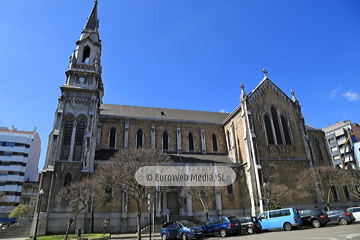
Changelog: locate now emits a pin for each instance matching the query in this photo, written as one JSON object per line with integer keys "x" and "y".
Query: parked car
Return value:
{"x": 314, "y": 217}
{"x": 250, "y": 225}
{"x": 286, "y": 218}
{"x": 180, "y": 230}
{"x": 340, "y": 216}
{"x": 223, "y": 226}
{"x": 355, "y": 211}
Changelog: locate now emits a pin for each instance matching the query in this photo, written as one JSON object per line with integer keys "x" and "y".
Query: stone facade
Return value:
{"x": 264, "y": 139}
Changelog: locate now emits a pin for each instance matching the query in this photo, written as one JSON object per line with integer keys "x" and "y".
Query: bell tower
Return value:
{"x": 73, "y": 138}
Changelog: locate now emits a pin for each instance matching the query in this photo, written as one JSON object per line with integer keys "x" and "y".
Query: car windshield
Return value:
{"x": 188, "y": 224}
{"x": 233, "y": 219}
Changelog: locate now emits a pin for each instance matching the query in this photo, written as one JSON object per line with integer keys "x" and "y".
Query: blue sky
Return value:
{"x": 183, "y": 54}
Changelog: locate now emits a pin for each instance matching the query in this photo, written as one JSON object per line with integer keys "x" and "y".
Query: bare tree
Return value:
{"x": 117, "y": 177}
{"x": 79, "y": 196}
{"x": 320, "y": 180}
{"x": 352, "y": 178}
{"x": 202, "y": 196}
{"x": 23, "y": 211}
{"x": 274, "y": 194}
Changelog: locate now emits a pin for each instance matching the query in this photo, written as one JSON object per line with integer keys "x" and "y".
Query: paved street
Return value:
{"x": 330, "y": 232}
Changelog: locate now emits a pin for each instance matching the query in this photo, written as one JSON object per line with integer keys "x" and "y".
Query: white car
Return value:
{"x": 355, "y": 211}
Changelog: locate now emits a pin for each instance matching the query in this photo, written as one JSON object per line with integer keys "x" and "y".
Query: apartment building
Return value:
{"x": 19, "y": 159}
{"x": 341, "y": 144}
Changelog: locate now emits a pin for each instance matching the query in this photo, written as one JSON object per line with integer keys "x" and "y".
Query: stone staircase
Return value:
{"x": 160, "y": 221}
{"x": 19, "y": 230}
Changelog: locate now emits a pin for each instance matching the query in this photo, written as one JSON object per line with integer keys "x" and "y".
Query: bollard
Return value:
{"x": 78, "y": 232}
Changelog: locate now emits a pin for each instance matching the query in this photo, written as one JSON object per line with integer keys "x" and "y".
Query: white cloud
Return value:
{"x": 333, "y": 93}
{"x": 351, "y": 96}
{"x": 222, "y": 110}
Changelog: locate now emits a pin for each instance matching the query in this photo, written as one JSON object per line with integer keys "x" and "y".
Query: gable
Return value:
{"x": 264, "y": 85}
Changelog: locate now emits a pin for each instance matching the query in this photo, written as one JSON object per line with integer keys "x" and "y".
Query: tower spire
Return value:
{"x": 92, "y": 22}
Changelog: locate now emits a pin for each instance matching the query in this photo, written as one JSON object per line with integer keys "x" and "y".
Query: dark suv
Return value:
{"x": 314, "y": 217}
{"x": 223, "y": 226}
{"x": 250, "y": 225}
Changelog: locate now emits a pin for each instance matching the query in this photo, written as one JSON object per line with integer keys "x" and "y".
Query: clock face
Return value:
{"x": 81, "y": 79}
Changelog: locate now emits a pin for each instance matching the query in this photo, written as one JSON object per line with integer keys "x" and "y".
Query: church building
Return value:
{"x": 265, "y": 139}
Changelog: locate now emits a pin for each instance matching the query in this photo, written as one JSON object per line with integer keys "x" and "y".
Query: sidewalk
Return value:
{"x": 144, "y": 236}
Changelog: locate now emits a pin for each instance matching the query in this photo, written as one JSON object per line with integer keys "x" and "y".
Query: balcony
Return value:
{"x": 348, "y": 150}
{"x": 16, "y": 168}
{"x": 341, "y": 141}
{"x": 29, "y": 194}
{"x": 18, "y": 159}
{"x": 12, "y": 178}
{"x": 20, "y": 149}
{"x": 339, "y": 132}
{"x": 12, "y": 198}
{"x": 10, "y": 188}
{"x": 349, "y": 159}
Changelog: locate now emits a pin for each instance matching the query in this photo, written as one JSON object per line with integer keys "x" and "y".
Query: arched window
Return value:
{"x": 318, "y": 149}
{"x": 86, "y": 54}
{"x": 230, "y": 186}
{"x": 139, "y": 138}
{"x": 268, "y": 129}
{"x": 67, "y": 179}
{"x": 112, "y": 137}
{"x": 228, "y": 138}
{"x": 276, "y": 126}
{"x": 191, "y": 142}
{"x": 214, "y": 142}
{"x": 285, "y": 130}
{"x": 80, "y": 131}
{"x": 165, "y": 140}
{"x": 68, "y": 131}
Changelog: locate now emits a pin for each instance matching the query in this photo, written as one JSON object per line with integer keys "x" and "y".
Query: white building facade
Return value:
{"x": 340, "y": 144}
{"x": 19, "y": 159}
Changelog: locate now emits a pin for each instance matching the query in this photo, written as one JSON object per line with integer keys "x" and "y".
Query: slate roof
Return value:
{"x": 125, "y": 111}
{"x": 105, "y": 154}
{"x": 308, "y": 127}
{"x": 200, "y": 158}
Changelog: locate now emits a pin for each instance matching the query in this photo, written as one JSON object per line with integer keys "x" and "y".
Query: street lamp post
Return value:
{"x": 38, "y": 212}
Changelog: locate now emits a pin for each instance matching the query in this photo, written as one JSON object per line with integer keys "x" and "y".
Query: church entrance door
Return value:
{"x": 173, "y": 203}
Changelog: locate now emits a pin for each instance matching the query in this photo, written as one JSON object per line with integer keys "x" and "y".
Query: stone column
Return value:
{"x": 158, "y": 203}
{"x": 164, "y": 204}
{"x": 126, "y": 135}
{"x": 218, "y": 201}
{"x": 203, "y": 142}
{"x": 72, "y": 143}
{"x": 124, "y": 206}
{"x": 152, "y": 137}
{"x": 189, "y": 204}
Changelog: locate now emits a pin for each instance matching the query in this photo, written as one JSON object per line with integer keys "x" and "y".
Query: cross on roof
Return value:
{"x": 265, "y": 72}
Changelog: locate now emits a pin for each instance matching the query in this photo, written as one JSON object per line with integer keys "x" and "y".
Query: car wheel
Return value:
{"x": 287, "y": 226}
{"x": 250, "y": 230}
{"x": 183, "y": 236}
{"x": 163, "y": 237}
{"x": 223, "y": 232}
{"x": 315, "y": 223}
{"x": 343, "y": 221}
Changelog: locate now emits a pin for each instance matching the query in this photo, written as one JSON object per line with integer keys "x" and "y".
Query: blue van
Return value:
{"x": 286, "y": 218}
